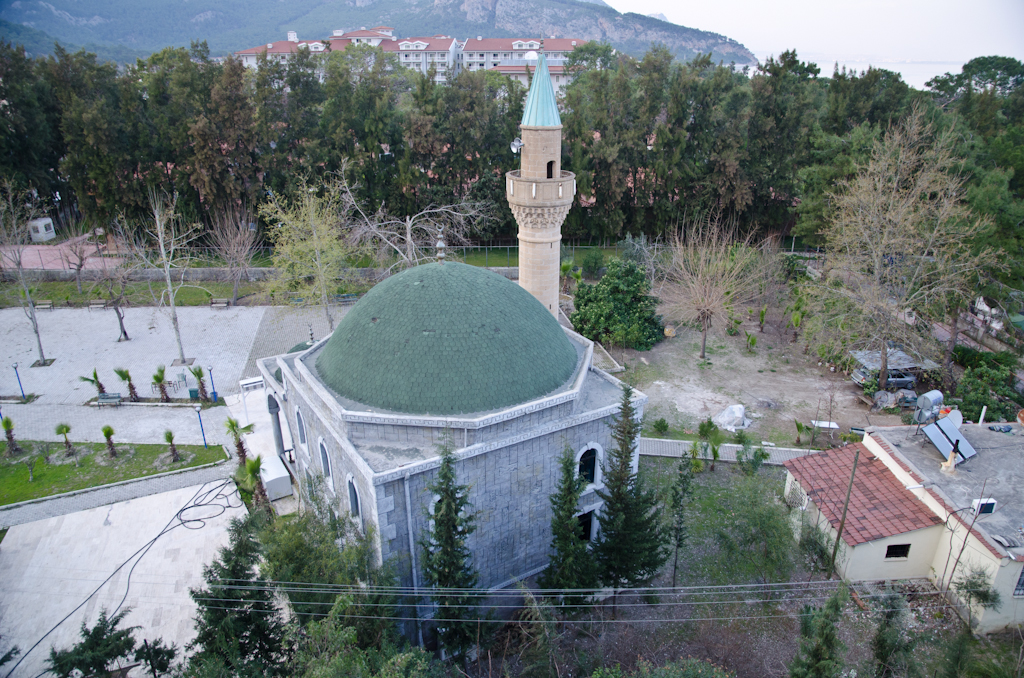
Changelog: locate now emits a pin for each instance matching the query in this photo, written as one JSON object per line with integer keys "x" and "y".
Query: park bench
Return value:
{"x": 108, "y": 399}
{"x": 44, "y": 303}
{"x": 97, "y": 304}
{"x": 220, "y": 303}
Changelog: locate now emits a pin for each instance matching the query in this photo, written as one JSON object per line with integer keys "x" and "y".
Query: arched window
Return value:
{"x": 551, "y": 169}
{"x": 301, "y": 425}
{"x": 353, "y": 499}
{"x": 588, "y": 465}
{"x": 325, "y": 462}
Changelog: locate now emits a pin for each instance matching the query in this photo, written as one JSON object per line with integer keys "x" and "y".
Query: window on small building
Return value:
{"x": 353, "y": 499}
{"x": 588, "y": 465}
{"x": 586, "y": 521}
{"x": 1019, "y": 589}
{"x": 897, "y": 551}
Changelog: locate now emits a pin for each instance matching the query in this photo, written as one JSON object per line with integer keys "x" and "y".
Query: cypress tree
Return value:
{"x": 821, "y": 655}
{"x": 237, "y": 622}
{"x": 893, "y": 645}
{"x": 446, "y": 559}
{"x": 631, "y": 545}
{"x": 680, "y": 495}
{"x": 572, "y": 564}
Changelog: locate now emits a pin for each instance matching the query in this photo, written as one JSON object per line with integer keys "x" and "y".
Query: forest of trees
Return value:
{"x": 655, "y": 144}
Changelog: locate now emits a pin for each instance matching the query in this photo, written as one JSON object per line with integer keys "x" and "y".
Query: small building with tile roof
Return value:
{"x": 282, "y": 50}
{"x": 910, "y": 518}
{"x": 447, "y": 351}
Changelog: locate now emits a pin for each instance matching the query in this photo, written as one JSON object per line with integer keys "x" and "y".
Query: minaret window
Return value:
{"x": 551, "y": 169}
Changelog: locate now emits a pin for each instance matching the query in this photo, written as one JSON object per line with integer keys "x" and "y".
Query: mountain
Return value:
{"x": 231, "y": 25}
{"x": 38, "y": 43}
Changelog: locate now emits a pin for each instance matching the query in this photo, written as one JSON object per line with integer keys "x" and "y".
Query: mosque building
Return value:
{"x": 449, "y": 350}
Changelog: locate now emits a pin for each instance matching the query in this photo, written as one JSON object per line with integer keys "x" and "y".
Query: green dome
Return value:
{"x": 446, "y": 339}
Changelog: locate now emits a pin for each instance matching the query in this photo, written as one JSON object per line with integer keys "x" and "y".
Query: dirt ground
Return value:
{"x": 777, "y": 383}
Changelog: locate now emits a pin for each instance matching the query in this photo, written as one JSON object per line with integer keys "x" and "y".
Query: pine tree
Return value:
{"x": 821, "y": 655}
{"x": 631, "y": 545}
{"x": 446, "y": 559}
{"x": 237, "y": 622}
{"x": 893, "y": 645}
{"x": 679, "y": 530}
{"x": 572, "y": 564}
{"x": 102, "y": 645}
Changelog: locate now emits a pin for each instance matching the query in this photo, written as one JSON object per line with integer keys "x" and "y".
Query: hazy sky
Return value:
{"x": 855, "y": 30}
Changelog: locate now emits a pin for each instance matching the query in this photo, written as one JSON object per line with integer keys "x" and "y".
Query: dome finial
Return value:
{"x": 440, "y": 244}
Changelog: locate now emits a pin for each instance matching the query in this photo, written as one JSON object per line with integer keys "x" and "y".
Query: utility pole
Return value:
{"x": 842, "y": 521}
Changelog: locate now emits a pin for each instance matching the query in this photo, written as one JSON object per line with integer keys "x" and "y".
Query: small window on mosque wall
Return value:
{"x": 588, "y": 465}
{"x": 586, "y": 522}
{"x": 302, "y": 428}
{"x": 551, "y": 169}
{"x": 894, "y": 551}
{"x": 353, "y": 499}
{"x": 325, "y": 462}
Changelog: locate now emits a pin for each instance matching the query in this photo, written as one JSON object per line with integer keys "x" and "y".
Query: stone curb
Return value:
{"x": 131, "y": 404}
{"x": 86, "y": 490}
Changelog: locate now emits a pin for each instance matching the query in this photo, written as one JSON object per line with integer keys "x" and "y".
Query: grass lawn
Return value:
{"x": 65, "y": 293}
{"x": 90, "y": 466}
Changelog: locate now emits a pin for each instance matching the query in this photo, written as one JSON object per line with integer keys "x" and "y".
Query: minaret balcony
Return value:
{"x": 529, "y": 192}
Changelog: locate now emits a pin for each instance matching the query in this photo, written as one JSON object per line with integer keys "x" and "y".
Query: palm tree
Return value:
{"x": 248, "y": 478}
{"x": 169, "y": 438}
{"x": 95, "y": 381}
{"x": 12, "y": 444}
{"x": 197, "y": 372}
{"x": 64, "y": 430}
{"x": 237, "y": 432}
{"x": 108, "y": 433}
{"x": 158, "y": 380}
{"x": 126, "y": 377}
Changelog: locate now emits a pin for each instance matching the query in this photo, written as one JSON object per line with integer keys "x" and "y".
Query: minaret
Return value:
{"x": 540, "y": 193}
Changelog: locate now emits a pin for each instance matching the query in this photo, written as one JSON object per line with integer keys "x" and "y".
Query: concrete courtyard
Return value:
{"x": 51, "y": 567}
{"x": 152, "y": 549}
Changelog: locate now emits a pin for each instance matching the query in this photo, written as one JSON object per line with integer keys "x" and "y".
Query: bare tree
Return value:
{"x": 115, "y": 284}
{"x": 235, "y": 239}
{"x": 77, "y": 249}
{"x": 403, "y": 242}
{"x": 165, "y": 246}
{"x": 712, "y": 275}
{"x": 901, "y": 247}
{"x": 312, "y": 252}
{"x": 17, "y": 209}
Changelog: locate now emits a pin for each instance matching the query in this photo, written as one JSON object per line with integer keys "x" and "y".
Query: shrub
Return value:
{"x": 661, "y": 426}
{"x": 593, "y": 260}
{"x": 966, "y": 357}
{"x": 983, "y": 386}
{"x": 618, "y": 309}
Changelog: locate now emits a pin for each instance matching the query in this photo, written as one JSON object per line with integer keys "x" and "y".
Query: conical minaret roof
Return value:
{"x": 541, "y": 109}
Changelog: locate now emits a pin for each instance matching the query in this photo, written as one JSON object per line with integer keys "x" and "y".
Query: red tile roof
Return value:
{"x": 365, "y": 34}
{"x": 434, "y": 43}
{"x": 880, "y": 506}
{"x": 279, "y": 47}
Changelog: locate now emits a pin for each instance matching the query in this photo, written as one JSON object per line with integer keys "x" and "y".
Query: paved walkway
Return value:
{"x": 657, "y": 447}
{"x": 132, "y": 489}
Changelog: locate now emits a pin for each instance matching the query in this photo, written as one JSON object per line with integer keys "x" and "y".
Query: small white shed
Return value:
{"x": 276, "y": 479}
{"x": 42, "y": 229}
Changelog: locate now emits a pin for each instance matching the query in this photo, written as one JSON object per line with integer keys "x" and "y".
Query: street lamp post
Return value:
{"x": 199, "y": 413}
{"x": 213, "y": 386}
{"x": 15, "y": 366}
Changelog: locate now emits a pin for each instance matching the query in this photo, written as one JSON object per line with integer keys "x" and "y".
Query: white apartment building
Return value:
{"x": 439, "y": 51}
